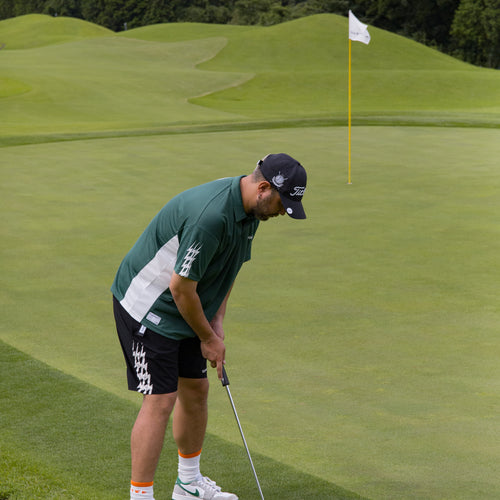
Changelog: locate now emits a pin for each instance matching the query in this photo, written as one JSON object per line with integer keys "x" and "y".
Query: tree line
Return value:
{"x": 466, "y": 29}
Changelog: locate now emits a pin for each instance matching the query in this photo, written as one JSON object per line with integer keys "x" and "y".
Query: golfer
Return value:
{"x": 170, "y": 295}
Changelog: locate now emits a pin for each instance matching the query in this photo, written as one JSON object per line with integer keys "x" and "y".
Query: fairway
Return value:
{"x": 362, "y": 343}
{"x": 172, "y": 78}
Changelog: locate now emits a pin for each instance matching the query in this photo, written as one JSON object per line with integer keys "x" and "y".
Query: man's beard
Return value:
{"x": 261, "y": 210}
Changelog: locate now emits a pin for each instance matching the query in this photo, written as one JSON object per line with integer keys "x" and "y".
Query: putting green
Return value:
{"x": 361, "y": 342}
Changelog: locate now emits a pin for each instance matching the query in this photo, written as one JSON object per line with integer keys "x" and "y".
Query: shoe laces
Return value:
{"x": 211, "y": 484}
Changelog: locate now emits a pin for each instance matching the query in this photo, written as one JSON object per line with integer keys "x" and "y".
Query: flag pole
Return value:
{"x": 349, "y": 119}
{"x": 358, "y": 32}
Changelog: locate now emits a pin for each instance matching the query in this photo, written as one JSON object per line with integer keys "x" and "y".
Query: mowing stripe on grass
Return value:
{"x": 64, "y": 439}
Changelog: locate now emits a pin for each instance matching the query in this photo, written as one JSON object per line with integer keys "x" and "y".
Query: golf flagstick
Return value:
{"x": 225, "y": 383}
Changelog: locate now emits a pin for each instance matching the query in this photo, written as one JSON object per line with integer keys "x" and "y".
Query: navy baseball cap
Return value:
{"x": 289, "y": 178}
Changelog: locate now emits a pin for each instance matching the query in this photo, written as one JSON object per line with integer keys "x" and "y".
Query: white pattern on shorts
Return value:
{"x": 141, "y": 369}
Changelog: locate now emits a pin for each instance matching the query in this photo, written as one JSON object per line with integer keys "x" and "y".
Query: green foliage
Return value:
{"x": 476, "y": 32}
{"x": 427, "y": 21}
{"x": 68, "y": 8}
{"x": 205, "y": 11}
{"x": 6, "y": 9}
{"x": 250, "y": 11}
{"x": 311, "y": 7}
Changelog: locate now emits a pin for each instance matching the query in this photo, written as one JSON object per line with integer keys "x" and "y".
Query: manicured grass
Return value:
{"x": 390, "y": 75}
{"x": 362, "y": 342}
{"x": 36, "y": 30}
{"x": 107, "y": 84}
{"x": 72, "y": 443}
{"x": 177, "y": 75}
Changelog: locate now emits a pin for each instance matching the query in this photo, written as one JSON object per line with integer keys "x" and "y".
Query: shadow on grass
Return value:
{"x": 64, "y": 439}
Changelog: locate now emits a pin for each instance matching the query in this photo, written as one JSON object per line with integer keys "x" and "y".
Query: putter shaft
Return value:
{"x": 225, "y": 383}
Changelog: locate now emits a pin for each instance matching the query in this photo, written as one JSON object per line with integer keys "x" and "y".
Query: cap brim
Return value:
{"x": 293, "y": 208}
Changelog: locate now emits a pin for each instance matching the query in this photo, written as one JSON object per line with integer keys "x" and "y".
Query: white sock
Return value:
{"x": 189, "y": 467}
{"x": 141, "y": 491}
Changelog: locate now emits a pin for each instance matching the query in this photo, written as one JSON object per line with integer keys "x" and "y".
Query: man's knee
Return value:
{"x": 194, "y": 391}
{"x": 160, "y": 405}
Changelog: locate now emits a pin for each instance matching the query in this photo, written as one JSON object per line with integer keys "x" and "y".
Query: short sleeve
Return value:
{"x": 196, "y": 249}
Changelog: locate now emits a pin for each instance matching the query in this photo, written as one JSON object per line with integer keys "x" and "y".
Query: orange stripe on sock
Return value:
{"x": 191, "y": 455}
{"x": 141, "y": 485}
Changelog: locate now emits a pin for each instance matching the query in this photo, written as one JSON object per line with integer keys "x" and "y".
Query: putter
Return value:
{"x": 225, "y": 383}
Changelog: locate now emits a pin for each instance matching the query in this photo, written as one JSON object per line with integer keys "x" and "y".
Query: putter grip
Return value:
{"x": 224, "y": 380}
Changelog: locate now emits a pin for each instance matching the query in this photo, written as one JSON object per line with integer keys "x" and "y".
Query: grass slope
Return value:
{"x": 107, "y": 83}
{"x": 182, "y": 32}
{"x": 37, "y": 30}
{"x": 72, "y": 443}
{"x": 305, "y": 62}
{"x": 149, "y": 78}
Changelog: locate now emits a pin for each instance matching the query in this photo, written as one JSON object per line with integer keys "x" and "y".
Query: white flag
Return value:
{"x": 357, "y": 30}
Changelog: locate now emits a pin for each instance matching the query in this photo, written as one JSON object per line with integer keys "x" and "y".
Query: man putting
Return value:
{"x": 170, "y": 295}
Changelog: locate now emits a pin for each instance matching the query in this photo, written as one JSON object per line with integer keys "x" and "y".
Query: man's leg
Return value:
{"x": 190, "y": 415}
{"x": 148, "y": 434}
{"x": 189, "y": 426}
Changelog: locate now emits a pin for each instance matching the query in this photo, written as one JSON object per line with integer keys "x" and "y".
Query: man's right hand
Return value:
{"x": 214, "y": 350}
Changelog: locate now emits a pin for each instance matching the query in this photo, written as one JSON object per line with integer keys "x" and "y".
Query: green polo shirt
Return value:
{"x": 202, "y": 234}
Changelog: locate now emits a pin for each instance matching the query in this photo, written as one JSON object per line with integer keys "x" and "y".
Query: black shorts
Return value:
{"x": 155, "y": 362}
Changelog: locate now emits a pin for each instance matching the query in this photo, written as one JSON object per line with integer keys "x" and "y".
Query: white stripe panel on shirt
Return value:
{"x": 151, "y": 281}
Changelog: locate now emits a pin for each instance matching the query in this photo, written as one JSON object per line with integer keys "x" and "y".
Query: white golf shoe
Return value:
{"x": 202, "y": 488}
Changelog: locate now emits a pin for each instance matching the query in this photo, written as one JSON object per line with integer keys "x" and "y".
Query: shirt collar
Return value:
{"x": 239, "y": 212}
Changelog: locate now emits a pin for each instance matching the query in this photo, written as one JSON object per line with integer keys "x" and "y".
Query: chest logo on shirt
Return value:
{"x": 189, "y": 258}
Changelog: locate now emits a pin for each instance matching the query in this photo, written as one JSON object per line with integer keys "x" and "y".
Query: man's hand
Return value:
{"x": 214, "y": 350}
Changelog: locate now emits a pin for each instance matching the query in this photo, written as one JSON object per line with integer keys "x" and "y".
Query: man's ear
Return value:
{"x": 263, "y": 186}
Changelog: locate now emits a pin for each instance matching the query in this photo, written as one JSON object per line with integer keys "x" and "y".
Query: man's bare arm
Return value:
{"x": 188, "y": 302}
